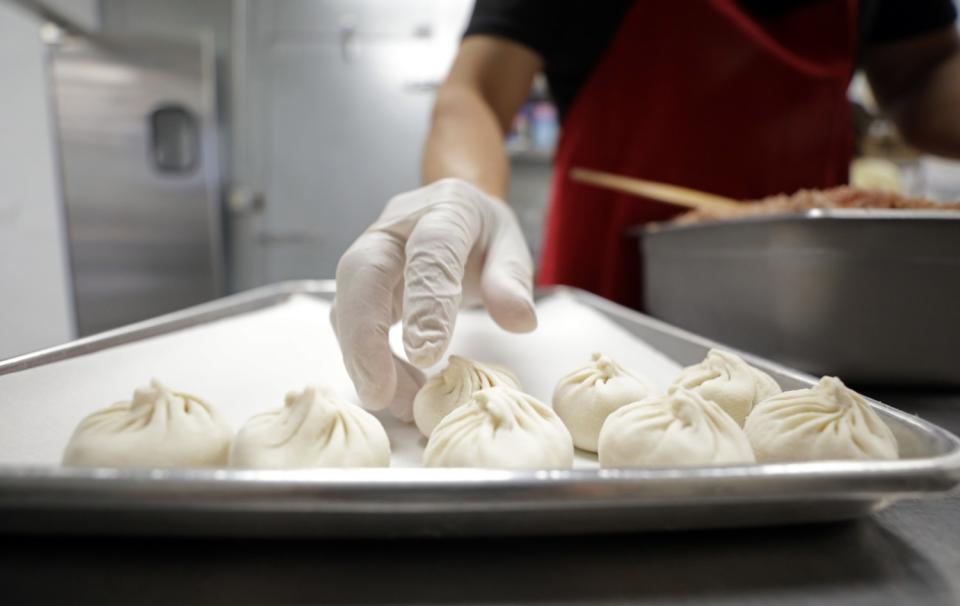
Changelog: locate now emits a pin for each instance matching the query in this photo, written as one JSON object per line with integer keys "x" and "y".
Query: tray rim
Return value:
{"x": 889, "y": 479}
{"x": 813, "y": 214}
{"x": 211, "y": 311}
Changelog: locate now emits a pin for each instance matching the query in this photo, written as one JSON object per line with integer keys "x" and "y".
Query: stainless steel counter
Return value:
{"x": 908, "y": 554}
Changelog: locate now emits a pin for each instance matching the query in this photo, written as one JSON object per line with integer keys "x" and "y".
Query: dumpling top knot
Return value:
{"x": 156, "y": 394}
{"x": 683, "y": 405}
{"x": 321, "y": 398}
{"x": 606, "y": 365}
{"x": 150, "y": 394}
{"x": 500, "y": 415}
{"x": 836, "y": 393}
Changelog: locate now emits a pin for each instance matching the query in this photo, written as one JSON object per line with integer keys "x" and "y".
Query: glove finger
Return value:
{"x": 436, "y": 254}
{"x": 409, "y": 381}
{"x": 409, "y": 378}
{"x": 396, "y": 312}
{"x": 507, "y": 281}
{"x": 367, "y": 277}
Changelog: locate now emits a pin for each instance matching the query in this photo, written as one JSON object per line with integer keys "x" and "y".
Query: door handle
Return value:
{"x": 244, "y": 201}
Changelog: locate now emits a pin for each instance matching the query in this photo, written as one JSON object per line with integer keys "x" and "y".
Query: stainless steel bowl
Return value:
{"x": 872, "y": 296}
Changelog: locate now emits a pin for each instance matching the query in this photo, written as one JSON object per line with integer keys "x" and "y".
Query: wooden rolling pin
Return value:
{"x": 662, "y": 192}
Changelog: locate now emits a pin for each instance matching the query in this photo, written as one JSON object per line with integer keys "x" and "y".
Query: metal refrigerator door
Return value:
{"x": 335, "y": 108}
{"x": 138, "y": 149}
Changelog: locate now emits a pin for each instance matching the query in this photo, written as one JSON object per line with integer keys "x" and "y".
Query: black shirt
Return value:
{"x": 571, "y": 35}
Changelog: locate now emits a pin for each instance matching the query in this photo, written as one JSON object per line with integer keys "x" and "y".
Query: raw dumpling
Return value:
{"x": 827, "y": 421}
{"x": 729, "y": 381}
{"x": 452, "y": 387}
{"x": 585, "y": 397}
{"x": 315, "y": 428}
{"x": 501, "y": 428}
{"x": 159, "y": 428}
{"x": 678, "y": 429}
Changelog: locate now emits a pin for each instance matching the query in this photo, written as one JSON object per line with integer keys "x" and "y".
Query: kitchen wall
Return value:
{"x": 36, "y": 309}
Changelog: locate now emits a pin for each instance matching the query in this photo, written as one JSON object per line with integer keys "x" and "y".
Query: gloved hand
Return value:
{"x": 431, "y": 250}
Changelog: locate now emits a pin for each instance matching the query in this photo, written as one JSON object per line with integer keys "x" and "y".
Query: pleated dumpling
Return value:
{"x": 585, "y": 397}
{"x": 678, "y": 429}
{"x": 157, "y": 428}
{"x": 729, "y": 381}
{"x": 453, "y": 386}
{"x": 827, "y": 421}
{"x": 315, "y": 428}
{"x": 500, "y": 428}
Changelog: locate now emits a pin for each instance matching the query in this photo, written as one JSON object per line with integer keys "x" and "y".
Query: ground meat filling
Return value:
{"x": 808, "y": 199}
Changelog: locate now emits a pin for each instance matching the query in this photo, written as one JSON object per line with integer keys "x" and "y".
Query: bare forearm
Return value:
{"x": 930, "y": 118}
{"x": 466, "y": 141}
{"x": 487, "y": 84}
{"x": 917, "y": 82}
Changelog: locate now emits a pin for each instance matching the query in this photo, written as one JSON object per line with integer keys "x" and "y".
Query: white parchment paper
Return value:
{"x": 246, "y": 364}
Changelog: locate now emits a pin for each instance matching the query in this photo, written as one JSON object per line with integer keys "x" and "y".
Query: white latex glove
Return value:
{"x": 431, "y": 250}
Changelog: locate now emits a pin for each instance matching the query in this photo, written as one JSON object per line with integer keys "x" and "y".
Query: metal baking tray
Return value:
{"x": 867, "y": 295}
{"x": 444, "y": 502}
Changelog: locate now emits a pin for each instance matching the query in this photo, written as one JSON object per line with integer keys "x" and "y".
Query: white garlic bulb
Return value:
{"x": 453, "y": 386}
{"x": 826, "y": 421}
{"x": 158, "y": 428}
{"x": 315, "y": 428}
{"x": 585, "y": 397}
{"x": 678, "y": 429}
{"x": 501, "y": 428}
{"x": 729, "y": 381}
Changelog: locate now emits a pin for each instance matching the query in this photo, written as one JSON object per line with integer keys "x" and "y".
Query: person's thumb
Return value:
{"x": 507, "y": 280}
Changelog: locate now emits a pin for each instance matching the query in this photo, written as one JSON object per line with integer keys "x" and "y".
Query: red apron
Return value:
{"x": 697, "y": 94}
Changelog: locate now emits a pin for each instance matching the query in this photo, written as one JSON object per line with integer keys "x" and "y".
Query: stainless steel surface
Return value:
{"x": 908, "y": 553}
{"x": 870, "y": 296}
{"x": 378, "y": 502}
{"x": 141, "y": 189}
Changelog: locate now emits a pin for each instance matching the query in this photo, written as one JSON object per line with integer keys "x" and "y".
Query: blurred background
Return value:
{"x": 154, "y": 155}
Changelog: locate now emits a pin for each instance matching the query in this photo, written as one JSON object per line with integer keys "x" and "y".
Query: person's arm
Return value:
{"x": 444, "y": 244}
{"x": 487, "y": 85}
{"x": 917, "y": 83}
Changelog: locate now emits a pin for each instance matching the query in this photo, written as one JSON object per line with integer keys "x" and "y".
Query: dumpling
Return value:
{"x": 729, "y": 381}
{"x": 159, "y": 428}
{"x": 678, "y": 429}
{"x": 585, "y": 397}
{"x": 452, "y": 387}
{"x": 315, "y": 428}
{"x": 826, "y": 421}
{"x": 501, "y": 428}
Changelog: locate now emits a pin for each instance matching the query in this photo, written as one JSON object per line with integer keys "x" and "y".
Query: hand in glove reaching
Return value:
{"x": 432, "y": 250}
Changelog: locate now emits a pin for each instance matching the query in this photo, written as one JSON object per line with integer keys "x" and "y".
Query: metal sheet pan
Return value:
{"x": 443, "y": 502}
{"x": 868, "y": 295}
